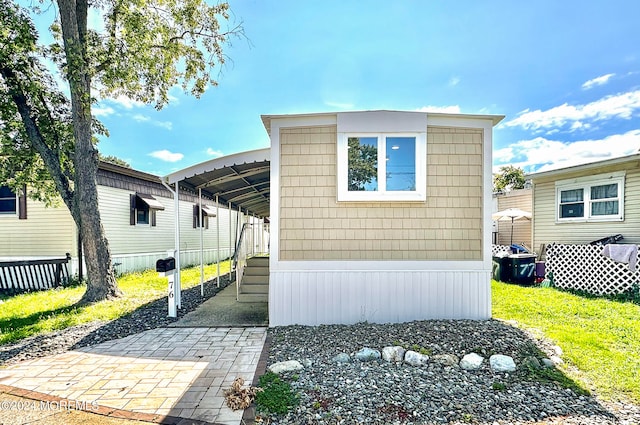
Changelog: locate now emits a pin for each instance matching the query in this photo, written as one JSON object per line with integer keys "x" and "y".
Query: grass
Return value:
{"x": 37, "y": 313}
{"x": 599, "y": 337}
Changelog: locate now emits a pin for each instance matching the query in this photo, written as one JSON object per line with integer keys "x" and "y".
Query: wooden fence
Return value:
{"x": 18, "y": 276}
{"x": 583, "y": 267}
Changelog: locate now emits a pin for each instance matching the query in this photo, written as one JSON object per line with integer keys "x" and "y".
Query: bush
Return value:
{"x": 277, "y": 396}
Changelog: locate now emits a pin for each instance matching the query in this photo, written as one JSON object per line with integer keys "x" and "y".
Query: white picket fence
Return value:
{"x": 32, "y": 274}
{"x": 584, "y": 268}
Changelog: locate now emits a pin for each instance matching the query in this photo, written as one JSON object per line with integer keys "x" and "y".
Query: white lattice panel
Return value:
{"x": 500, "y": 248}
{"x": 583, "y": 267}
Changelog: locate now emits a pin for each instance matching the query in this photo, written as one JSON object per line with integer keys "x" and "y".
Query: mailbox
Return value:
{"x": 164, "y": 265}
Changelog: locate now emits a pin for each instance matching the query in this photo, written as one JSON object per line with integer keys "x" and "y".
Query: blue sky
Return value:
{"x": 565, "y": 73}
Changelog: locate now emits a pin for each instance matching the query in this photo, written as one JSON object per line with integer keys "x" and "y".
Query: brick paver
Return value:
{"x": 176, "y": 372}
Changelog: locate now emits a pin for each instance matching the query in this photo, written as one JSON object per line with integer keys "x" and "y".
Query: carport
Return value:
{"x": 240, "y": 181}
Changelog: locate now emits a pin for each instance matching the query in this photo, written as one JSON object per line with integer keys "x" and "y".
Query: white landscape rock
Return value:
{"x": 471, "y": 361}
{"x": 415, "y": 359}
{"x": 341, "y": 358}
{"x": 502, "y": 363}
{"x": 287, "y": 366}
{"x": 393, "y": 354}
{"x": 367, "y": 354}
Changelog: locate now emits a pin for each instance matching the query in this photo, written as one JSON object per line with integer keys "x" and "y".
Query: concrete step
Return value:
{"x": 253, "y": 298}
{"x": 254, "y": 288}
{"x": 258, "y": 261}
{"x": 256, "y": 271}
{"x": 261, "y": 280}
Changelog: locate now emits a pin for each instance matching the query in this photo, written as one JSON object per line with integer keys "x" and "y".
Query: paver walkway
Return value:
{"x": 177, "y": 372}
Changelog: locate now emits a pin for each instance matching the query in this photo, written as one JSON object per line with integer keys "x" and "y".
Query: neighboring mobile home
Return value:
{"x": 379, "y": 216}
{"x": 521, "y": 199}
{"x": 580, "y": 204}
{"x": 137, "y": 213}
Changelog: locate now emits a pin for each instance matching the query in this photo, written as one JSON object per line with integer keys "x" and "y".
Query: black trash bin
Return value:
{"x": 501, "y": 270}
{"x": 522, "y": 268}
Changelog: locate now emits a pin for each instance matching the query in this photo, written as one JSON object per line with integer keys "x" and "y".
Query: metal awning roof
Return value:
{"x": 243, "y": 179}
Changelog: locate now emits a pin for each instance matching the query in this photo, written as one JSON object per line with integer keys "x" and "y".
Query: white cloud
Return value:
{"x": 214, "y": 153}
{"x": 140, "y": 118}
{"x": 102, "y": 111}
{"x": 541, "y": 154}
{"x": 167, "y": 156}
{"x": 451, "y": 109}
{"x": 126, "y": 102}
{"x": 598, "y": 81}
{"x": 454, "y": 81}
{"x": 621, "y": 105}
{"x": 164, "y": 124}
{"x": 143, "y": 118}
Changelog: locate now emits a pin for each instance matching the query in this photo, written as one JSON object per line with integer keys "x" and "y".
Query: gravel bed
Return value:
{"x": 149, "y": 316}
{"x": 379, "y": 392}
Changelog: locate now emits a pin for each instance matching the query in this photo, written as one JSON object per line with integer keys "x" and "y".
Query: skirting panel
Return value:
{"x": 346, "y": 297}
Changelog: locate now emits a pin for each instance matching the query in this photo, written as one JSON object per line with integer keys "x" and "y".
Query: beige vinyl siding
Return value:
{"x": 45, "y": 232}
{"x": 547, "y": 231}
{"x": 313, "y": 226}
{"x": 521, "y": 199}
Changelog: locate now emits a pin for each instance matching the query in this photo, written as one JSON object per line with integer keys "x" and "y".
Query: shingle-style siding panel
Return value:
{"x": 45, "y": 232}
{"x": 545, "y": 229}
{"x": 313, "y": 226}
{"x": 521, "y": 199}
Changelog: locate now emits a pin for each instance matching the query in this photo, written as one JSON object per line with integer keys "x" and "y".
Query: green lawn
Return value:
{"x": 34, "y": 313}
{"x": 601, "y": 338}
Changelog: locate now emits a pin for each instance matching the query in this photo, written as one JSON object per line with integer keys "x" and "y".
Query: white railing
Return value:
{"x": 253, "y": 240}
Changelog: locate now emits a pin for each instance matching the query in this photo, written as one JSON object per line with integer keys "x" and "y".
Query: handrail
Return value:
{"x": 239, "y": 244}
{"x": 245, "y": 247}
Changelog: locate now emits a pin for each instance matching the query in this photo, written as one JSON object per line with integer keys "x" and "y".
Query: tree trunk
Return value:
{"x": 101, "y": 282}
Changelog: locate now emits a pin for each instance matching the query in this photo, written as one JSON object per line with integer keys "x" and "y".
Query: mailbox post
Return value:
{"x": 166, "y": 268}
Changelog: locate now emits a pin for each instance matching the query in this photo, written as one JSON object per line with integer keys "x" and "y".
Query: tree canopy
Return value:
{"x": 47, "y": 133}
{"x": 509, "y": 178}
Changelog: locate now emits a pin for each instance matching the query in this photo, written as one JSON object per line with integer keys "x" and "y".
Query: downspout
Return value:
{"x": 176, "y": 218}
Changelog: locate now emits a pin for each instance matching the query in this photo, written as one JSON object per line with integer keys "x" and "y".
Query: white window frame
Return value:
{"x": 418, "y": 195}
{"x": 586, "y": 183}
{"x": 15, "y": 211}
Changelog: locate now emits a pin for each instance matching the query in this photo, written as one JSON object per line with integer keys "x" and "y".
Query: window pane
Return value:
{"x": 8, "y": 206}
{"x": 572, "y": 195}
{"x": 401, "y": 163}
{"x": 605, "y": 191}
{"x": 363, "y": 163}
{"x": 142, "y": 216}
{"x": 571, "y": 210}
{"x": 5, "y": 192}
{"x": 604, "y": 208}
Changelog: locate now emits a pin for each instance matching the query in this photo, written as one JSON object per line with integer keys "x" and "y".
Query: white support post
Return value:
{"x": 230, "y": 240}
{"x": 172, "y": 299}
{"x": 178, "y": 294}
{"x": 218, "y": 240}
{"x": 201, "y": 223}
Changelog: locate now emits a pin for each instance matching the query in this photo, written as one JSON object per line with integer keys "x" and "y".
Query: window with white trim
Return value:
{"x": 382, "y": 156}
{"x": 595, "y": 198}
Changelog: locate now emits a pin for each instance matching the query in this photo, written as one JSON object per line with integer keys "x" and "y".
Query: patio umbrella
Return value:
{"x": 511, "y": 214}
